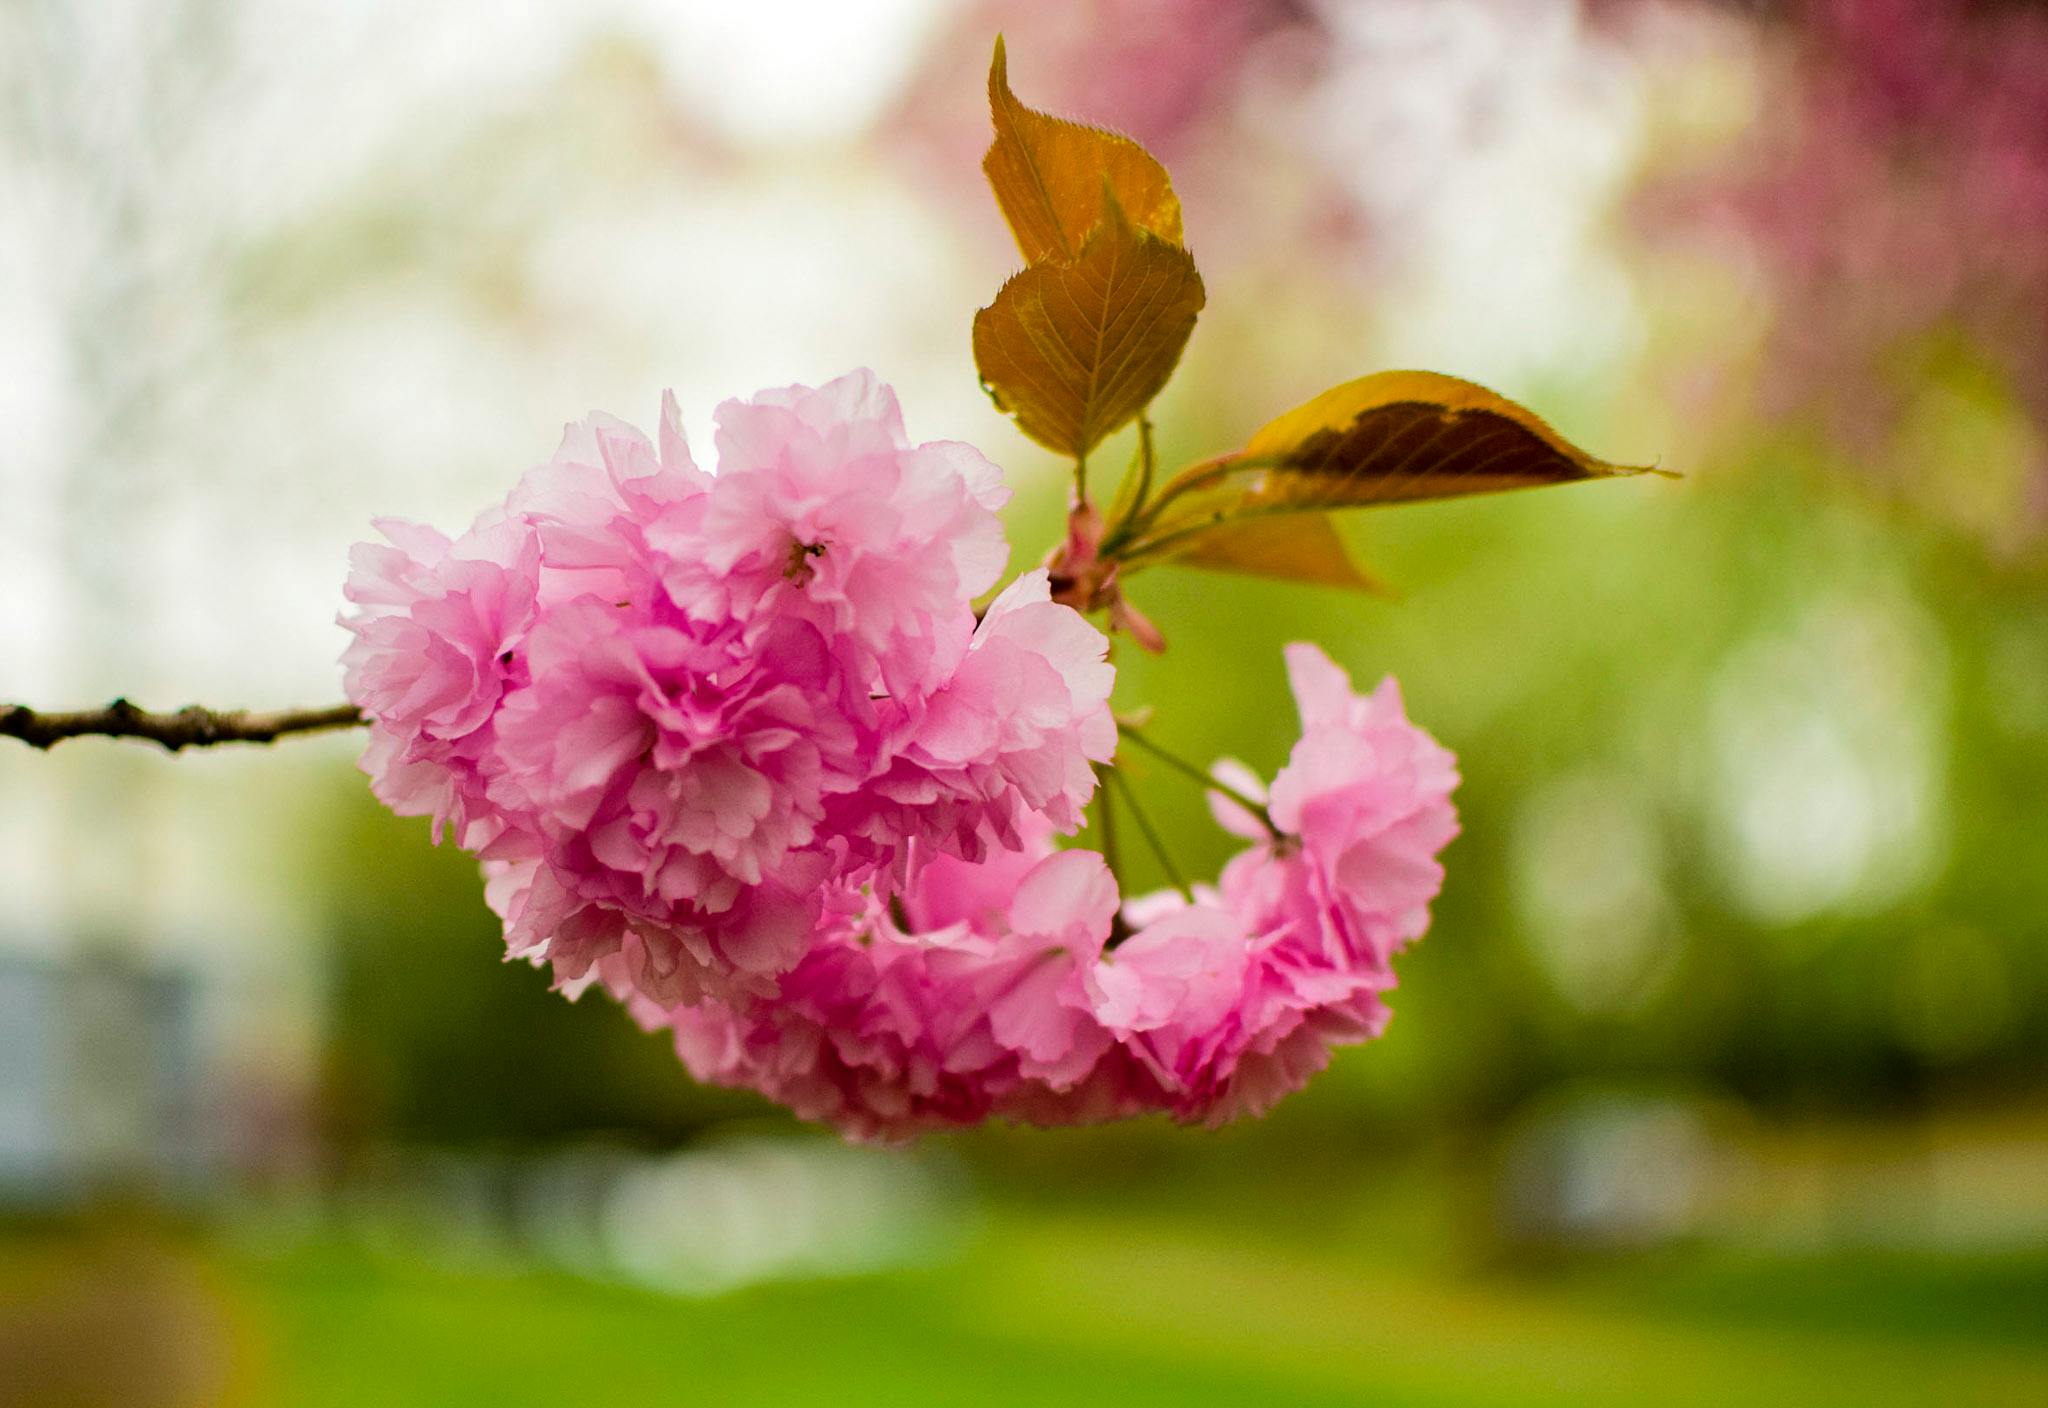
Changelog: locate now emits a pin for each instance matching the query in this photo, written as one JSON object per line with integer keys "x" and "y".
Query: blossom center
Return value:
{"x": 799, "y": 569}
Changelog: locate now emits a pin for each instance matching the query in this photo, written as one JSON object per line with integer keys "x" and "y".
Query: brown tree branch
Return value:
{"x": 190, "y": 727}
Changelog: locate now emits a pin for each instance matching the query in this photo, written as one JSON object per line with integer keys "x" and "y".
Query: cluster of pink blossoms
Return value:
{"x": 992, "y": 989}
{"x": 737, "y": 748}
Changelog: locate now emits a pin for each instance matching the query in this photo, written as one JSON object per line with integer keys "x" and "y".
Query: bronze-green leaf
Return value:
{"x": 1396, "y": 437}
{"x": 1303, "y": 548}
{"x": 1074, "y": 349}
{"x": 1048, "y": 175}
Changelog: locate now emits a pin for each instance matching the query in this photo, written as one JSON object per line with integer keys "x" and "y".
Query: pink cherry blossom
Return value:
{"x": 651, "y": 699}
{"x": 1363, "y": 806}
{"x": 429, "y": 664}
{"x": 1012, "y": 734}
{"x": 1237, "y": 999}
{"x": 964, "y": 1000}
{"x": 735, "y": 749}
{"x": 823, "y": 510}
{"x": 678, "y": 777}
{"x": 995, "y": 988}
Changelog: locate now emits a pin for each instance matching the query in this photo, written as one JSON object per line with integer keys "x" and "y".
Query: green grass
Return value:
{"x": 1237, "y": 1300}
{"x": 1059, "y": 1308}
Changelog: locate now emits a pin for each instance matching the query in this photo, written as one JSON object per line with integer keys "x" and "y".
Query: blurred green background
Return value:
{"x": 1719, "y": 1076}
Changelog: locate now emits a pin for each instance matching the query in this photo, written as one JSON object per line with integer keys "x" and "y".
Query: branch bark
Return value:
{"x": 189, "y": 727}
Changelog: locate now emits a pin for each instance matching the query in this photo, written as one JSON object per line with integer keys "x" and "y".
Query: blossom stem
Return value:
{"x": 1151, "y": 834}
{"x": 1143, "y": 514}
{"x": 189, "y": 727}
{"x": 1181, "y": 765}
{"x": 1106, "y": 823}
{"x": 1127, "y": 541}
{"x": 1105, "y": 828}
{"x": 1147, "y": 462}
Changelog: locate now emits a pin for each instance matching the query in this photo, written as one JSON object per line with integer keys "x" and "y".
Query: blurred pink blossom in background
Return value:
{"x": 1894, "y": 185}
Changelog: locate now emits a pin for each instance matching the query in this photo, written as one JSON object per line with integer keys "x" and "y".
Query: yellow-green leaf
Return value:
{"x": 1074, "y": 349}
{"x": 1302, "y": 549}
{"x": 1396, "y": 437}
{"x": 1048, "y": 175}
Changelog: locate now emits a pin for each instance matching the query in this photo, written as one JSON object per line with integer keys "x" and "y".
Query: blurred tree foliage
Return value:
{"x": 437, "y": 1039}
{"x": 1754, "y": 766}
{"x": 1638, "y": 893}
